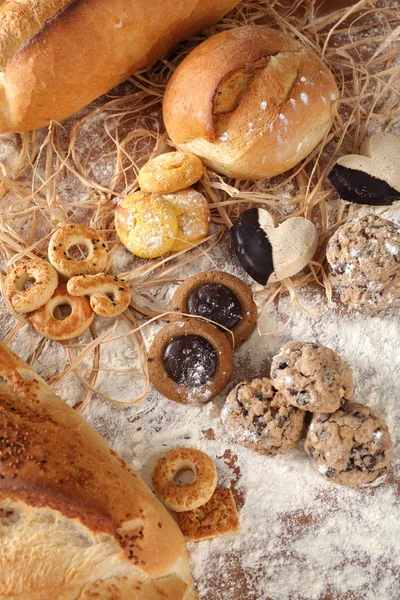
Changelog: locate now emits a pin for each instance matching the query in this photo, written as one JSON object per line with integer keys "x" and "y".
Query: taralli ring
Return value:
{"x": 44, "y": 281}
{"x": 75, "y": 324}
{"x": 67, "y": 236}
{"x": 189, "y": 496}
{"x": 170, "y": 172}
{"x": 109, "y": 296}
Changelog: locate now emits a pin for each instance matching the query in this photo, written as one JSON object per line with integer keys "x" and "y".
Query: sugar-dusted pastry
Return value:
{"x": 146, "y": 224}
{"x": 44, "y": 279}
{"x": 170, "y": 172}
{"x": 350, "y": 446}
{"x": 220, "y": 297}
{"x": 312, "y": 377}
{"x": 269, "y": 252}
{"x": 193, "y": 214}
{"x": 257, "y": 416}
{"x": 364, "y": 257}
{"x": 190, "y": 361}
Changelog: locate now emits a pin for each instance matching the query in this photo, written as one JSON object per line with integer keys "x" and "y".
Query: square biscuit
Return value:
{"x": 217, "y": 517}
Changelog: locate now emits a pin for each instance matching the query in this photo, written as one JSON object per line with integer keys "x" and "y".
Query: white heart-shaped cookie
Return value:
{"x": 271, "y": 253}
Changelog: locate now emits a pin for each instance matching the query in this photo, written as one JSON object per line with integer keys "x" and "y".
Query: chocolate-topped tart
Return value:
{"x": 190, "y": 361}
{"x": 219, "y": 297}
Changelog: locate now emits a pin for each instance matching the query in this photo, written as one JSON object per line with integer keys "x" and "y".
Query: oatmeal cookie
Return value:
{"x": 351, "y": 446}
{"x": 257, "y": 416}
{"x": 312, "y": 377}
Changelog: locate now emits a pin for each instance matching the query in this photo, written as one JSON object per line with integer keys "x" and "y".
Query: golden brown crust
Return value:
{"x": 51, "y": 458}
{"x": 73, "y": 325}
{"x": 261, "y": 90}
{"x": 242, "y": 331}
{"x": 83, "y": 49}
{"x": 217, "y": 517}
{"x": 45, "y": 281}
{"x": 109, "y": 296}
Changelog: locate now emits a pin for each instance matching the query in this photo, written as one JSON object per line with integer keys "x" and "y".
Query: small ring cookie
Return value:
{"x": 109, "y": 296}
{"x": 190, "y": 361}
{"x": 220, "y": 297}
{"x": 146, "y": 225}
{"x": 45, "y": 282}
{"x": 189, "y": 496}
{"x": 75, "y": 324}
{"x": 72, "y": 235}
{"x": 170, "y": 172}
{"x": 193, "y": 214}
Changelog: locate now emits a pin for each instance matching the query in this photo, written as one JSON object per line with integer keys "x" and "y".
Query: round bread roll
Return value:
{"x": 261, "y": 102}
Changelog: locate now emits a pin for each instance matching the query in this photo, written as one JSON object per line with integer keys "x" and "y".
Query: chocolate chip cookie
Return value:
{"x": 190, "y": 361}
{"x": 257, "y": 416}
{"x": 350, "y": 446}
{"x": 219, "y": 297}
{"x": 312, "y": 377}
{"x": 364, "y": 256}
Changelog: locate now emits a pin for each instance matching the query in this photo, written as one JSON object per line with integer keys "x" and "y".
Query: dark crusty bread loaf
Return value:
{"x": 251, "y": 102}
{"x": 56, "y": 56}
{"x": 75, "y": 520}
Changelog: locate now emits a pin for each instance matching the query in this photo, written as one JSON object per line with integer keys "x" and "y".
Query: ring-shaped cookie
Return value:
{"x": 45, "y": 281}
{"x": 66, "y": 237}
{"x": 109, "y": 296}
{"x": 189, "y": 496}
{"x": 184, "y": 301}
{"x": 80, "y": 319}
{"x": 170, "y": 172}
{"x": 195, "y": 386}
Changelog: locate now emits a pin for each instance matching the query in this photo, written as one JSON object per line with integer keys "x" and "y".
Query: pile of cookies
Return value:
{"x": 345, "y": 440}
{"x": 167, "y": 215}
{"x": 191, "y": 358}
{"x": 38, "y": 289}
{"x": 203, "y": 511}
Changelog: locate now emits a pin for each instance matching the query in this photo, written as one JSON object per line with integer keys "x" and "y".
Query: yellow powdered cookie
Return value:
{"x": 170, "y": 172}
{"x": 146, "y": 224}
{"x": 193, "y": 213}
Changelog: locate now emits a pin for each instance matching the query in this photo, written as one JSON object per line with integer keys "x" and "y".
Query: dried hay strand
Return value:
{"x": 78, "y": 170}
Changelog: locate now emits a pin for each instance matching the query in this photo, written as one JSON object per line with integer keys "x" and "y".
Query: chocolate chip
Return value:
{"x": 280, "y": 420}
{"x": 369, "y": 461}
{"x": 281, "y": 365}
{"x": 359, "y": 417}
{"x": 330, "y": 473}
{"x": 121, "y": 289}
{"x": 303, "y": 397}
{"x": 259, "y": 422}
{"x": 216, "y": 302}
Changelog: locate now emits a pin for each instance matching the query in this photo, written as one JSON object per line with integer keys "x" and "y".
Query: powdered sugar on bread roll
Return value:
{"x": 261, "y": 103}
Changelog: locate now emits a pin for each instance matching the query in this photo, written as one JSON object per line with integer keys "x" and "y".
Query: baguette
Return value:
{"x": 75, "y": 520}
{"x": 56, "y": 56}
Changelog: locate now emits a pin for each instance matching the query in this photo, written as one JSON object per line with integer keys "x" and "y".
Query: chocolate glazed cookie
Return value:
{"x": 350, "y": 446}
{"x": 219, "y": 297}
{"x": 190, "y": 361}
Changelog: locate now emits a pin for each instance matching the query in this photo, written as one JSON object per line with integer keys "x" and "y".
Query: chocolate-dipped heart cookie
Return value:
{"x": 219, "y": 297}
{"x": 190, "y": 361}
{"x": 373, "y": 176}
{"x": 271, "y": 253}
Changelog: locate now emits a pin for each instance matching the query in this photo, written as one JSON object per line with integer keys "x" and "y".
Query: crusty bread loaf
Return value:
{"x": 251, "y": 102}
{"x": 58, "y": 55}
{"x": 75, "y": 521}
